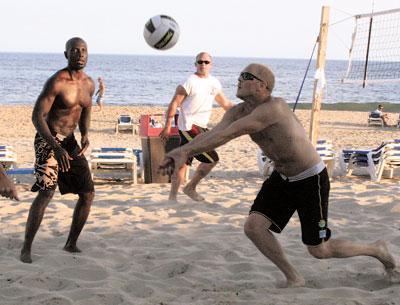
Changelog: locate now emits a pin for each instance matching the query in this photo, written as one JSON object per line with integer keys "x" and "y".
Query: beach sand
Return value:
{"x": 139, "y": 248}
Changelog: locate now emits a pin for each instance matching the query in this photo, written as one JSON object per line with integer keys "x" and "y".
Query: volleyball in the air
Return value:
{"x": 161, "y": 32}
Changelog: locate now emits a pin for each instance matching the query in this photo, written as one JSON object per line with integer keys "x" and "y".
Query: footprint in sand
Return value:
{"x": 138, "y": 289}
{"x": 55, "y": 301}
{"x": 171, "y": 269}
{"x": 48, "y": 283}
{"x": 85, "y": 273}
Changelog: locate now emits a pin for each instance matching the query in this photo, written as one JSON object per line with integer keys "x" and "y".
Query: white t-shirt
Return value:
{"x": 196, "y": 108}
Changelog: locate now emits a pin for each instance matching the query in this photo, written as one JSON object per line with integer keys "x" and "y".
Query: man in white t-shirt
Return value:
{"x": 195, "y": 98}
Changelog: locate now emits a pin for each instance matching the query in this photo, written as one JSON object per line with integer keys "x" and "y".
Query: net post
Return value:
{"x": 318, "y": 90}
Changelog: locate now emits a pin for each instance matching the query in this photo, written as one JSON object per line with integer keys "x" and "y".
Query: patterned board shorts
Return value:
{"x": 77, "y": 180}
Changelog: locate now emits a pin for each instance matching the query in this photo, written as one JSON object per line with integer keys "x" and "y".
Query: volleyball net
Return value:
{"x": 374, "y": 55}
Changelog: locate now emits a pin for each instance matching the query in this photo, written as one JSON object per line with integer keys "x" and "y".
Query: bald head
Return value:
{"x": 263, "y": 73}
{"x": 203, "y": 55}
{"x": 71, "y": 42}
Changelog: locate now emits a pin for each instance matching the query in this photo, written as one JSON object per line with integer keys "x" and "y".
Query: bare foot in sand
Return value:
{"x": 173, "y": 198}
{"x": 25, "y": 257}
{"x": 192, "y": 194}
{"x": 71, "y": 248}
{"x": 384, "y": 256}
{"x": 297, "y": 282}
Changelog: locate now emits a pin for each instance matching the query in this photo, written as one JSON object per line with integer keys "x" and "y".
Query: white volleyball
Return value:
{"x": 161, "y": 32}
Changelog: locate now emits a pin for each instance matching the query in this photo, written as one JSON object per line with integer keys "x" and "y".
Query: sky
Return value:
{"x": 229, "y": 28}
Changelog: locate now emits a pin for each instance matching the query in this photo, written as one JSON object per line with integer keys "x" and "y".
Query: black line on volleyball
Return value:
{"x": 150, "y": 26}
{"x": 165, "y": 39}
{"x": 167, "y": 17}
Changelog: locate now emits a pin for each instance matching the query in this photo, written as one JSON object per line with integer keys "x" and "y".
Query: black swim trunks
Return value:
{"x": 189, "y": 135}
{"x": 77, "y": 180}
{"x": 278, "y": 199}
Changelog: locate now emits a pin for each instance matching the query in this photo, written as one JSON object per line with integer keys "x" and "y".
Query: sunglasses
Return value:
{"x": 206, "y": 62}
{"x": 249, "y": 76}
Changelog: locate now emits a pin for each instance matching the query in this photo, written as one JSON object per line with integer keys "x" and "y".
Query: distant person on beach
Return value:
{"x": 100, "y": 93}
{"x": 64, "y": 103}
{"x": 379, "y": 112}
{"x": 299, "y": 181}
{"x": 195, "y": 98}
{"x": 7, "y": 187}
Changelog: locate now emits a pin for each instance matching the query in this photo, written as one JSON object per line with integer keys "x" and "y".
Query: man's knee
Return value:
{"x": 46, "y": 195}
{"x": 321, "y": 251}
{"x": 255, "y": 225}
{"x": 87, "y": 197}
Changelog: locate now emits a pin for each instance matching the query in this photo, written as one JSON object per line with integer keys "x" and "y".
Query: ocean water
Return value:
{"x": 135, "y": 79}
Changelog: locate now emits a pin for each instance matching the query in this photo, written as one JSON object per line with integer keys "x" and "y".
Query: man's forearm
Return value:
{"x": 170, "y": 114}
{"x": 43, "y": 129}
{"x": 206, "y": 142}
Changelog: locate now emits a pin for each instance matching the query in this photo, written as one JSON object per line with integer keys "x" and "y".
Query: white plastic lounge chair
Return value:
{"x": 8, "y": 158}
{"x": 375, "y": 119}
{"x": 125, "y": 122}
{"x": 22, "y": 175}
{"x": 327, "y": 154}
{"x": 389, "y": 160}
{"x": 351, "y": 159}
{"x": 323, "y": 147}
{"x": 116, "y": 162}
{"x": 265, "y": 165}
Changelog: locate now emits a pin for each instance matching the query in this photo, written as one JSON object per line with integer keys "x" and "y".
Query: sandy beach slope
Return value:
{"x": 138, "y": 248}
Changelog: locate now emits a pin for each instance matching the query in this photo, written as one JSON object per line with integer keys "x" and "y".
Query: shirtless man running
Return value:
{"x": 64, "y": 103}
{"x": 299, "y": 181}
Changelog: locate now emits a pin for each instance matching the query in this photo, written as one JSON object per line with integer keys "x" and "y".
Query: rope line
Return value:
{"x": 305, "y": 74}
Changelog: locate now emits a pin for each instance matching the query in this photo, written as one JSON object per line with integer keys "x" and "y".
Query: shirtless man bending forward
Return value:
{"x": 299, "y": 182}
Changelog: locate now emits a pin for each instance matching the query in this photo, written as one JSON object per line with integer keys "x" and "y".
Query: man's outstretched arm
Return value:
{"x": 222, "y": 133}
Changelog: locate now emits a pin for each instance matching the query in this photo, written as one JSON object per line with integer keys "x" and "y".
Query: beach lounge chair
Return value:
{"x": 368, "y": 159}
{"x": 327, "y": 154}
{"x": 265, "y": 165}
{"x": 125, "y": 122}
{"x": 22, "y": 175}
{"x": 389, "y": 159}
{"x": 8, "y": 158}
{"x": 375, "y": 119}
{"x": 114, "y": 162}
{"x": 323, "y": 147}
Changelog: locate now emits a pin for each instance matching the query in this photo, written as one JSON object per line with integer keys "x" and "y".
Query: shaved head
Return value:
{"x": 72, "y": 42}
{"x": 262, "y": 72}
{"x": 204, "y": 55}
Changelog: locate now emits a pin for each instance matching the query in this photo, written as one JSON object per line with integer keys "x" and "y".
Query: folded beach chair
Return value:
{"x": 125, "y": 122}
{"x": 114, "y": 162}
{"x": 265, "y": 165}
{"x": 375, "y": 119}
{"x": 389, "y": 160}
{"x": 327, "y": 154}
{"x": 368, "y": 159}
{"x": 22, "y": 175}
{"x": 8, "y": 158}
{"x": 323, "y": 147}
{"x": 139, "y": 162}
